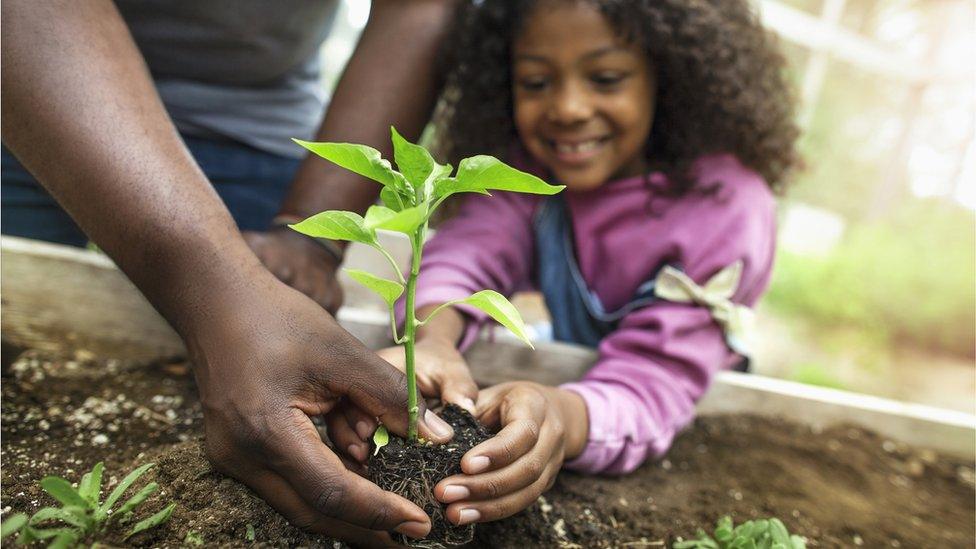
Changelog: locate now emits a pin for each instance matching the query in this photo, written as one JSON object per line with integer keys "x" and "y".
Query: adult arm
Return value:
{"x": 391, "y": 79}
{"x": 80, "y": 111}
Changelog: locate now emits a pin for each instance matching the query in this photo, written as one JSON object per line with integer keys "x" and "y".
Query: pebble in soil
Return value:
{"x": 413, "y": 469}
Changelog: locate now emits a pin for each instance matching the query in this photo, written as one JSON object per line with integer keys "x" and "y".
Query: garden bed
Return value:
{"x": 841, "y": 486}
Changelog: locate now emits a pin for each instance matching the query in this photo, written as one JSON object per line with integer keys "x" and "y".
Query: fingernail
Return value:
{"x": 455, "y": 493}
{"x": 467, "y": 404}
{"x": 413, "y": 529}
{"x": 357, "y": 451}
{"x": 363, "y": 430}
{"x": 438, "y": 425}
{"x": 467, "y": 516}
{"x": 478, "y": 464}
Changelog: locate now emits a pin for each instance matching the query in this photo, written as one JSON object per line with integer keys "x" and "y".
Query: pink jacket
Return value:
{"x": 662, "y": 358}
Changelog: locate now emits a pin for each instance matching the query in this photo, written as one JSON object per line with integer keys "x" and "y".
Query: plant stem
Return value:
{"x": 410, "y": 334}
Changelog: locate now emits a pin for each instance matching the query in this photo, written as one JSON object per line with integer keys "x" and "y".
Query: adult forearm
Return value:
{"x": 81, "y": 113}
{"x": 391, "y": 79}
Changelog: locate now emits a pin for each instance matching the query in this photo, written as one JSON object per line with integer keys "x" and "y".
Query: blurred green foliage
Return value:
{"x": 906, "y": 280}
{"x": 813, "y": 373}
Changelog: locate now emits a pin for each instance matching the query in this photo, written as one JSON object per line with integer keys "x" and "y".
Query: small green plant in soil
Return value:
{"x": 754, "y": 534}
{"x": 82, "y": 516}
{"x": 410, "y": 196}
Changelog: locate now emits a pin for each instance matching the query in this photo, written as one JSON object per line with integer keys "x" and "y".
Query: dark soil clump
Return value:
{"x": 412, "y": 471}
{"x": 840, "y": 487}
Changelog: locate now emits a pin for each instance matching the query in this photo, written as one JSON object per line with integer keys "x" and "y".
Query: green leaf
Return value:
{"x": 361, "y": 159}
{"x": 798, "y": 542}
{"x": 413, "y": 161}
{"x": 75, "y": 516}
{"x": 250, "y": 534}
{"x": 64, "y": 540}
{"x": 62, "y": 491}
{"x": 152, "y": 521}
{"x": 418, "y": 166}
{"x": 122, "y": 487}
{"x": 499, "y": 309}
{"x": 83, "y": 484}
{"x": 337, "y": 225}
{"x": 380, "y": 438}
{"x": 12, "y": 524}
{"x": 747, "y": 529}
{"x": 136, "y": 500}
{"x": 90, "y": 487}
{"x": 778, "y": 531}
{"x": 405, "y": 221}
{"x": 389, "y": 290}
{"x": 31, "y": 534}
{"x": 483, "y": 173}
{"x": 394, "y": 200}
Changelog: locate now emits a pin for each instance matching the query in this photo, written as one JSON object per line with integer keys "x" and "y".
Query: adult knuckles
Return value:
{"x": 392, "y": 389}
{"x": 380, "y": 518}
{"x": 331, "y": 496}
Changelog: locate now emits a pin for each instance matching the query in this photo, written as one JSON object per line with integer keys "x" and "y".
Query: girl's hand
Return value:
{"x": 441, "y": 373}
{"x": 540, "y": 427}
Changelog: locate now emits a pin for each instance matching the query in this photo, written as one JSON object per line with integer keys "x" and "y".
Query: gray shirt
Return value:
{"x": 246, "y": 70}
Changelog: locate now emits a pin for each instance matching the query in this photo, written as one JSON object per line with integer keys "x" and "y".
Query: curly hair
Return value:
{"x": 721, "y": 84}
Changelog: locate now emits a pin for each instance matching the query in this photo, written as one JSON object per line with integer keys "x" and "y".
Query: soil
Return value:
{"x": 412, "y": 471}
{"x": 840, "y": 487}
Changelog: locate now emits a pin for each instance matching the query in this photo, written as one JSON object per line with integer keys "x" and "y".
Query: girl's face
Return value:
{"x": 583, "y": 98}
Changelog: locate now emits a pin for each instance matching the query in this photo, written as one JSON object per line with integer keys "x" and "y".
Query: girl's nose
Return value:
{"x": 569, "y": 104}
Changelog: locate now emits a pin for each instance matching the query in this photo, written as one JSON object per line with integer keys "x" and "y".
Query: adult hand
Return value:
{"x": 299, "y": 262}
{"x": 269, "y": 362}
{"x": 441, "y": 373}
{"x": 540, "y": 426}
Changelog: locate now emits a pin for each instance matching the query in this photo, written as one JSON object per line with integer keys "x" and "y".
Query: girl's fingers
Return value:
{"x": 458, "y": 386}
{"x": 521, "y": 413}
{"x": 344, "y": 437}
{"x": 394, "y": 355}
{"x": 487, "y": 408}
{"x": 500, "y": 482}
{"x": 511, "y": 443}
{"x": 466, "y": 512}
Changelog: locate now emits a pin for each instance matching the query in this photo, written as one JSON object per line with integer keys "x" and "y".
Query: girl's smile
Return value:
{"x": 583, "y": 98}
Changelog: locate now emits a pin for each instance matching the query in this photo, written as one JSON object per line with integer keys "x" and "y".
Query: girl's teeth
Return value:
{"x": 585, "y": 146}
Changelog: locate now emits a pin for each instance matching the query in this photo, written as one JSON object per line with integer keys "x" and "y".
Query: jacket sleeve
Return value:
{"x": 662, "y": 358}
{"x": 488, "y": 245}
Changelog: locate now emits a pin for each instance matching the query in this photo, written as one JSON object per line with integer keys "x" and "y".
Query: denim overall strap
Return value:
{"x": 577, "y": 313}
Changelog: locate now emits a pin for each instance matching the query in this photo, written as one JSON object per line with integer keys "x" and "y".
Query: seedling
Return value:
{"x": 753, "y": 534}
{"x": 410, "y": 195}
{"x": 81, "y": 513}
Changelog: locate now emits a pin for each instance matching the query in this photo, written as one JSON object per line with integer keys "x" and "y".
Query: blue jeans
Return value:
{"x": 251, "y": 183}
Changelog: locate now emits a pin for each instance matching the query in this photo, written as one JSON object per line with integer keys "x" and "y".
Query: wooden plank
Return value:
{"x": 58, "y": 296}
{"x": 61, "y": 298}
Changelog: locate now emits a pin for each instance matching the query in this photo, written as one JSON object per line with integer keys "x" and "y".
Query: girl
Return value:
{"x": 670, "y": 124}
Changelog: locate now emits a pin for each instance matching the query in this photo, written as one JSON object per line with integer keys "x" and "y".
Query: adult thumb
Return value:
{"x": 380, "y": 389}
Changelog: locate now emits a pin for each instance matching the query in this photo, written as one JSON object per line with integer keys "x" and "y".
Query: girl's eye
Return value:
{"x": 608, "y": 79}
{"x": 533, "y": 84}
